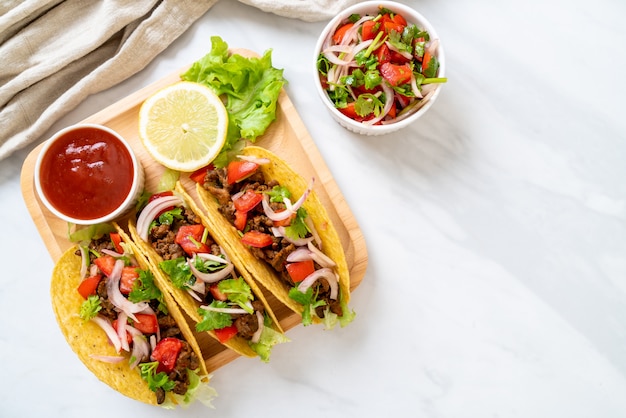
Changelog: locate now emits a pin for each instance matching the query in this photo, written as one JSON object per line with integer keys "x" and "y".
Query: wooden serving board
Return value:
{"x": 286, "y": 137}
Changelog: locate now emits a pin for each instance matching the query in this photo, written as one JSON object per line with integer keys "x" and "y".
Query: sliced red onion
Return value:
{"x": 112, "y": 253}
{"x": 324, "y": 273}
{"x": 319, "y": 257}
{"x": 120, "y": 328}
{"x": 151, "y": 211}
{"x": 316, "y": 236}
{"x": 298, "y": 242}
{"x": 141, "y": 347}
{"x": 237, "y": 195}
{"x": 84, "y": 261}
{"x": 108, "y": 359}
{"x": 153, "y": 342}
{"x": 253, "y": 159}
{"x": 300, "y": 201}
{"x": 213, "y": 257}
{"x": 210, "y": 277}
{"x": 432, "y": 47}
{"x": 224, "y": 310}
{"x": 300, "y": 254}
{"x": 274, "y": 216}
{"x": 116, "y": 297}
{"x": 194, "y": 294}
{"x": 106, "y": 326}
{"x": 416, "y": 91}
{"x": 257, "y": 334}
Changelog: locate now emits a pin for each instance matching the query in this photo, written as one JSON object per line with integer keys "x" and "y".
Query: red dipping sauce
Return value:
{"x": 86, "y": 173}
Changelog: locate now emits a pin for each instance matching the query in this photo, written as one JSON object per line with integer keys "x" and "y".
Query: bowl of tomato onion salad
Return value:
{"x": 379, "y": 67}
{"x": 88, "y": 174}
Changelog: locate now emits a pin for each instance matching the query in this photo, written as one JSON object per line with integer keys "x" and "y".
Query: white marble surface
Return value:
{"x": 495, "y": 227}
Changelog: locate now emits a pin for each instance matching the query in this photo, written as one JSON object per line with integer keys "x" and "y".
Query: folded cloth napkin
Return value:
{"x": 55, "y": 53}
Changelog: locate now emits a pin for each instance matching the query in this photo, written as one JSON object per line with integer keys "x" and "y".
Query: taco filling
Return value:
{"x": 122, "y": 298}
{"x": 276, "y": 228}
{"x": 225, "y": 304}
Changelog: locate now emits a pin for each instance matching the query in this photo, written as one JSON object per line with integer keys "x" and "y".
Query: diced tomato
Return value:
{"x": 215, "y": 292}
{"x": 116, "y": 239}
{"x": 199, "y": 175}
{"x": 426, "y": 63}
{"x": 161, "y": 194}
{"x": 383, "y": 54}
{"x": 390, "y": 26}
{"x": 340, "y": 33}
{"x": 88, "y": 286}
{"x": 129, "y": 275}
{"x": 300, "y": 270}
{"x": 146, "y": 323}
{"x": 238, "y": 170}
{"x": 399, "y": 19}
{"x": 241, "y": 218}
{"x": 396, "y": 74}
{"x": 105, "y": 264}
{"x": 226, "y": 333}
{"x": 166, "y": 353}
{"x": 189, "y": 237}
{"x": 349, "y": 111}
{"x": 247, "y": 201}
{"x": 257, "y": 239}
{"x": 129, "y": 338}
{"x": 369, "y": 29}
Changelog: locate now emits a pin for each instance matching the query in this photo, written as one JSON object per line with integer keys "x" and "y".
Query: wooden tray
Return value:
{"x": 287, "y": 137}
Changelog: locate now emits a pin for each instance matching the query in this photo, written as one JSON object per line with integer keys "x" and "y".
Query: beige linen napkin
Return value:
{"x": 55, "y": 53}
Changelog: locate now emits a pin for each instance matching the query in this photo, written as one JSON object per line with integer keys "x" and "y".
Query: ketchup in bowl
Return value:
{"x": 88, "y": 174}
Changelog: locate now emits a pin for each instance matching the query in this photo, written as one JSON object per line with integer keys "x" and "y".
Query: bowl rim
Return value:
{"x": 136, "y": 186}
{"x": 413, "y": 16}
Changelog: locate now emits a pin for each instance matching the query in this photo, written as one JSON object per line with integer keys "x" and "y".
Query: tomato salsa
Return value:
{"x": 86, "y": 173}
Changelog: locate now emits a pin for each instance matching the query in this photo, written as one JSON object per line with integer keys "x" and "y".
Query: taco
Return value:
{"x": 303, "y": 263}
{"x": 128, "y": 332}
{"x": 209, "y": 285}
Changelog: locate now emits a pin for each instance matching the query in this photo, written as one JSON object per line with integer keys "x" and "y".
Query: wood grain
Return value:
{"x": 287, "y": 137}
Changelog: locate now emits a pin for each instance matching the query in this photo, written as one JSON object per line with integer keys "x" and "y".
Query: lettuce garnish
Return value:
{"x": 250, "y": 85}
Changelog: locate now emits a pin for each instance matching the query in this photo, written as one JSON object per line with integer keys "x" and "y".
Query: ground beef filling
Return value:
{"x": 275, "y": 254}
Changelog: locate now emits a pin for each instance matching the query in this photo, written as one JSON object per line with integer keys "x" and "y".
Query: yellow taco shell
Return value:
{"x": 87, "y": 338}
{"x": 280, "y": 171}
{"x": 188, "y": 303}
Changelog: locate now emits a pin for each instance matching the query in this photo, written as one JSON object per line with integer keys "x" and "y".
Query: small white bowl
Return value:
{"x": 372, "y": 8}
{"x": 88, "y": 174}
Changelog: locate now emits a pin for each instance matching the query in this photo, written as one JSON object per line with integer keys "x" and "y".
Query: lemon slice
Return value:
{"x": 183, "y": 126}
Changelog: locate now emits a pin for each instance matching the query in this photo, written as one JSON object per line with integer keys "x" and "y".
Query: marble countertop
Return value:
{"x": 495, "y": 228}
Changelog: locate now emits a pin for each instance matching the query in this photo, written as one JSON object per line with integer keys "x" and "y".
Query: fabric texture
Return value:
{"x": 55, "y": 53}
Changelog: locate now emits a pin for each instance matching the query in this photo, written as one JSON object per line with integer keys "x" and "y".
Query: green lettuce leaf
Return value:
{"x": 268, "y": 339}
{"x": 250, "y": 85}
{"x": 213, "y": 320}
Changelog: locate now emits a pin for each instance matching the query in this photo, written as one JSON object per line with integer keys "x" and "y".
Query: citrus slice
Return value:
{"x": 183, "y": 126}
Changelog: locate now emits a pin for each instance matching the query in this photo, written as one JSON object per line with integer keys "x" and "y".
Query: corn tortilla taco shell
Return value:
{"x": 87, "y": 339}
{"x": 280, "y": 171}
{"x": 188, "y": 303}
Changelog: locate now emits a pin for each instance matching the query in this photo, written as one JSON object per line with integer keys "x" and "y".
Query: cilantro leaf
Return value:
{"x": 155, "y": 380}
{"x": 213, "y": 320}
{"x": 278, "y": 194}
{"x": 90, "y": 307}
{"x": 144, "y": 289}
{"x": 179, "y": 272}
{"x": 309, "y": 301}
{"x": 298, "y": 228}
{"x": 168, "y": 217}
